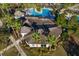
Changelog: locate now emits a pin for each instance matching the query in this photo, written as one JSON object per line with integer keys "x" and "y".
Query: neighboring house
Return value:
{"x": 1, "y": 23}
{"x": 25, "y": 30}
{"x": 44, "y": 12}
{"x": 18, "y": 14}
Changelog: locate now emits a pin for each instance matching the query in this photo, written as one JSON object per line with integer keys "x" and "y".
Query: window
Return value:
{"x": 43, "y": 45}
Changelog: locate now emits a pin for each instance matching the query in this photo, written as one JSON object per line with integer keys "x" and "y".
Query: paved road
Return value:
{"x": 17, "y": 46}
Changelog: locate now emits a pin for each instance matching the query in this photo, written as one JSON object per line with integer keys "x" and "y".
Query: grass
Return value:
{"x": 11, "y": 52}
{"x": 60, "y": 52}
{"x": 3, "y": 40}
{"x": 3, "y": 44}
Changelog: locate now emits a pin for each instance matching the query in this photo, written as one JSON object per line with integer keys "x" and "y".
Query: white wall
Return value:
{"x": 38, "y": 45}
{"x": 35, "y": 45}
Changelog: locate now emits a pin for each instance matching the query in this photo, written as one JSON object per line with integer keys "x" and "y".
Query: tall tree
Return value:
{"x": 61, "y": 21}
{"x": 73, "y": 24}
{"x": 9, "y": 20}
{"x": 4, "y": 7}
{"x": 14, "y": 24}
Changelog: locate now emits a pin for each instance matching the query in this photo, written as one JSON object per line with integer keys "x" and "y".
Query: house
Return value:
{"x": 42, "y": 26}
{"x": 44, "y": 12}
{"x": 1, "y": 23}
{"x": 25, "y": 30}
{"x": 43, "y": 42}
{"x": 18, "y": 14}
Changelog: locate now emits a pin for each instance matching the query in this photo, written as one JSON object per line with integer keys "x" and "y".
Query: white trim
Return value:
{"x": 47, "y": 45}
{"x": 23, "y": 34}
{"x": 35, "y": 45}
{"x": 48, "y": 8}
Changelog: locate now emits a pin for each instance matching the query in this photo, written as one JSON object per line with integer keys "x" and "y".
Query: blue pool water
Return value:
{"x": 45, "y": 12}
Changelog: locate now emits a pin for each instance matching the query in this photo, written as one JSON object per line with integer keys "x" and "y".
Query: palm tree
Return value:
{"x": 73, "y": 24}
{"x": 36, "y": 36}
{"x": 64, "y": 36}
{"x": 61, "y": 21}
{"x": 52, "y": 40}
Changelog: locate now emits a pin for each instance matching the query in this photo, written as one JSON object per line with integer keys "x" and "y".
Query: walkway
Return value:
{"x": 10, "y": 46}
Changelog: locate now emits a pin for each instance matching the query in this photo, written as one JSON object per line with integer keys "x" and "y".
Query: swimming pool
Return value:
{"x": 44, "y": 12}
